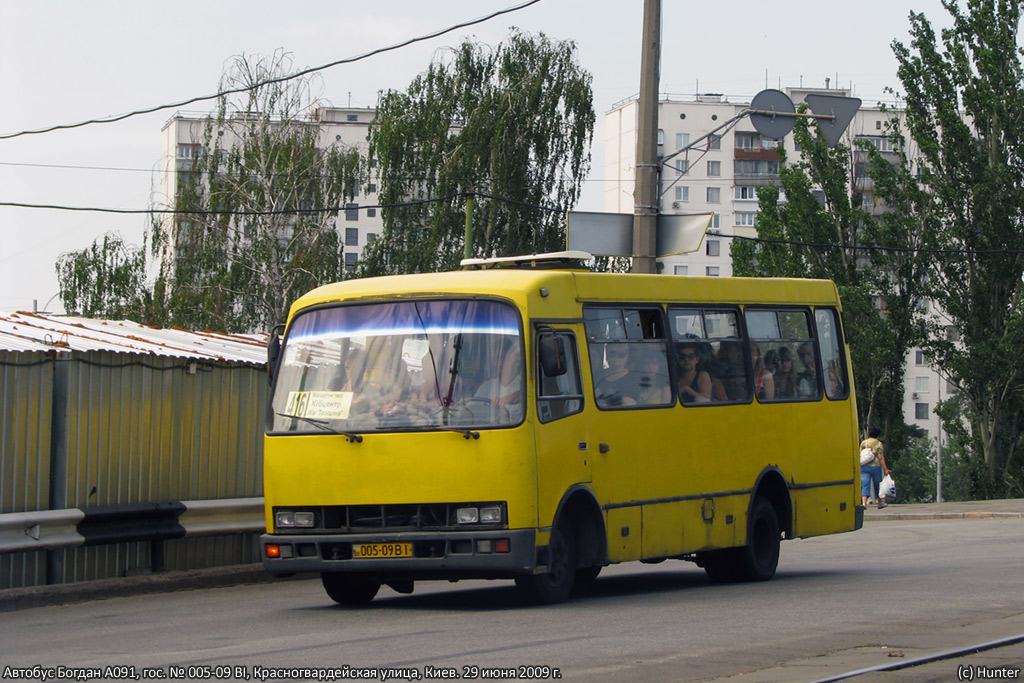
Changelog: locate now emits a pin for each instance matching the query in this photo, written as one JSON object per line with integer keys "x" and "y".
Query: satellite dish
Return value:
{"x": 772, "y": 113}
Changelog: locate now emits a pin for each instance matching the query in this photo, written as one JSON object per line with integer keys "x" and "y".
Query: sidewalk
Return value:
{"x": 972, "y": 509}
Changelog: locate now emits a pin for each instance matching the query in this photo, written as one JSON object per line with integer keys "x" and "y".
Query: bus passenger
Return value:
{"x": 505, "y": 391}
{"x": 807, "y": 381}
{"x": 694, "y": 383}
{"x": 733, "y": 372}
{"x": 618, "y": 386}
{"x": 785, "y": 374}
{"x": 764, "y": 383}
{"x": 653, "y": 383}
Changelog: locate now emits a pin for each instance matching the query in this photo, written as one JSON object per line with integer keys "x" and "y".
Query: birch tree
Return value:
{"x": 509, "y": 127}
{"x": 251, "y": 234}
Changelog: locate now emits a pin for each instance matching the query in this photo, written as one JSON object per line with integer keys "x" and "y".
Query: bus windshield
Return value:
{"x": 429, "y": 364}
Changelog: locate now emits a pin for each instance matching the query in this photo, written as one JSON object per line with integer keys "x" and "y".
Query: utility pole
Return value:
{"x": 646, "y": 190}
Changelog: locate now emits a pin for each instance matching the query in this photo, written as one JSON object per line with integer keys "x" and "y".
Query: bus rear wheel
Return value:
{"x": 758, "y": 560}
{"x": 349, "y": 589}
{"x": 755, "y": 561}
{"x": 555, "y": 585}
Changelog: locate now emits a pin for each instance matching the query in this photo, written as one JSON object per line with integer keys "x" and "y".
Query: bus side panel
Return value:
{"x": 624, "y": 533}
{"x": 827, "y": 454}
{"x": 687, "y": 526}
{"x": 819, "y": 511}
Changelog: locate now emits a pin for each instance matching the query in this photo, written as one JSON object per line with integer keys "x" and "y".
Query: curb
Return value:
{"x": 13, "y": 599}
{"x": 905, "y": 516}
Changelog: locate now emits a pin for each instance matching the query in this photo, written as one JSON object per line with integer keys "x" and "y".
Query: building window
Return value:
{"x": 682, "y": 140}
{"x": 371, "y": 187}
{"x": 680, "y": 270}
{"x": 921, "y": 384}
{"x": 748, "y": 141}
{"x": 714, "y": 195}
{"x": 682, "y": 193}
{"x": 351, "y": 237}
{"x": 715, "y": 142}
{"x": 713, "y": 248}
{"x": 350, "y": 260}
{"x": 661, "y": 137}
{"x": 189, "y": 151}
{"x": 746, "y": 218}
{"x": 756, "y": 167}
{"x": 352, "y": 117}
{"x": 921, "y": 411}
{"x": 746, "y": 192}
{"x": 351, "y": 212}
{"x": 715, "y": 221}
{"x": 371, "y": 213}
{"x": 714, "y": 168}
{"x": 370, "y": 237}
{"x": 682, "y": 166}
{"x": 711, "y": 271}
{"x": 919, "y": 357}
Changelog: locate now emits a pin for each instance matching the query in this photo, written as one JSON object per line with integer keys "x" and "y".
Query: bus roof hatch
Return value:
{"x": 551, "y": 260}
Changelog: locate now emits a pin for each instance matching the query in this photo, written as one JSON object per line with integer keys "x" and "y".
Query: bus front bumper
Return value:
{"x": 449, "y": 555}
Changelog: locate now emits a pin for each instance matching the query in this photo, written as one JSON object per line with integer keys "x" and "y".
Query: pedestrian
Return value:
{"x": 873, "y": 470}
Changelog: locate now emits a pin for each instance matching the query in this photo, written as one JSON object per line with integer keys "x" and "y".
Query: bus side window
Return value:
{"x": 833, "y": 360}
{"x": 715, "y": 336}
{"x": 785, "y": 349}
{"x": 560, "y": 395}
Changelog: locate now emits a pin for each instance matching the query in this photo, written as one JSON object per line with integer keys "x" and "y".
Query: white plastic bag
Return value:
{"x": 887, "y": 489}
{"x": 866, "y": 456}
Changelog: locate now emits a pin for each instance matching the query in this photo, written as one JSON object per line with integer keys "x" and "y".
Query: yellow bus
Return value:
{"x": 531, "y": 420}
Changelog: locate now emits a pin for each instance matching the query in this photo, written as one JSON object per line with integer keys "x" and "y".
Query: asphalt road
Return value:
{"x": 886, "y": 594}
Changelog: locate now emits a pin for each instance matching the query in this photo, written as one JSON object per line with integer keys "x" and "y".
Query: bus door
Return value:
{"x": 564, "y": 451}
{"x": 631, "y": 383}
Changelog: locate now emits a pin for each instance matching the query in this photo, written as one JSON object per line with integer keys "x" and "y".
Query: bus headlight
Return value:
{"x": 294, "y": 519}
{"x": 486, "y": 513}
{"x": 490, "y": 515}
{"x": 467, "y": 515}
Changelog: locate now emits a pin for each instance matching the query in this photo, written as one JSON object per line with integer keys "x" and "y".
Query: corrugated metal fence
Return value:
{"x": 88, "y": 428}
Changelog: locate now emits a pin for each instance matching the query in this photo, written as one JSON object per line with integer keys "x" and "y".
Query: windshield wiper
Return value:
{"x": 466, "y": 433}
{"x": 323, "y": 424}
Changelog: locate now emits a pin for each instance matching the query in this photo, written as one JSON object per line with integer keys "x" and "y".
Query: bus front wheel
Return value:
{"x": 556, "y": 584}
{"x": 349, "y": 589}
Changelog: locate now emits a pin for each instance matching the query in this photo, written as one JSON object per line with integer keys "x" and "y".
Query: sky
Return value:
{"x": 65, "y": 61}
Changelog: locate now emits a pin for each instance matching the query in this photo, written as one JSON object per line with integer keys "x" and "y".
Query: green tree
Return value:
{"x": 965, "y": 110}
{"x": 249, "y": 234}
{"x": 107, "y": 279}
{"x": 821, "y": 231}
{"x": 509, "y": 127}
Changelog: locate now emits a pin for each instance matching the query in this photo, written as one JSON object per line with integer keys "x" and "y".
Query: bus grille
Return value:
{"x": 366, "y": 518}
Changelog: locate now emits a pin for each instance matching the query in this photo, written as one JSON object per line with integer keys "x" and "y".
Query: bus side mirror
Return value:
{"x": 273, "y": 352}
{"x": 551, "y": 348}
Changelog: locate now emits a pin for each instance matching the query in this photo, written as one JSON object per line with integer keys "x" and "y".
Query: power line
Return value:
{"x": 484, "y": 195}
{"x": 73, "y": 167}
{"x": 277, "y": 212}
{"x": 873, "y": 247}
{"x": 272, "y": 81}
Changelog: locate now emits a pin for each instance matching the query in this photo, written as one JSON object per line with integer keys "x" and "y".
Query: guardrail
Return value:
{"x": 154, "y": 522}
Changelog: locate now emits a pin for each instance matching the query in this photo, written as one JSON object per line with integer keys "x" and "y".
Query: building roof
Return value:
{"x": 23, "y": 331}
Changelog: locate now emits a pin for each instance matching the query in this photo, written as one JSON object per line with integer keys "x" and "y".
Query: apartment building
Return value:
{"x": 183, "y": 141}
{"x": 721, "y": 174}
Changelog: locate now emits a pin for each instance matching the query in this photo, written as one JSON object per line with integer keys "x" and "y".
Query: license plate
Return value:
{"x": 374, "y": 550}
